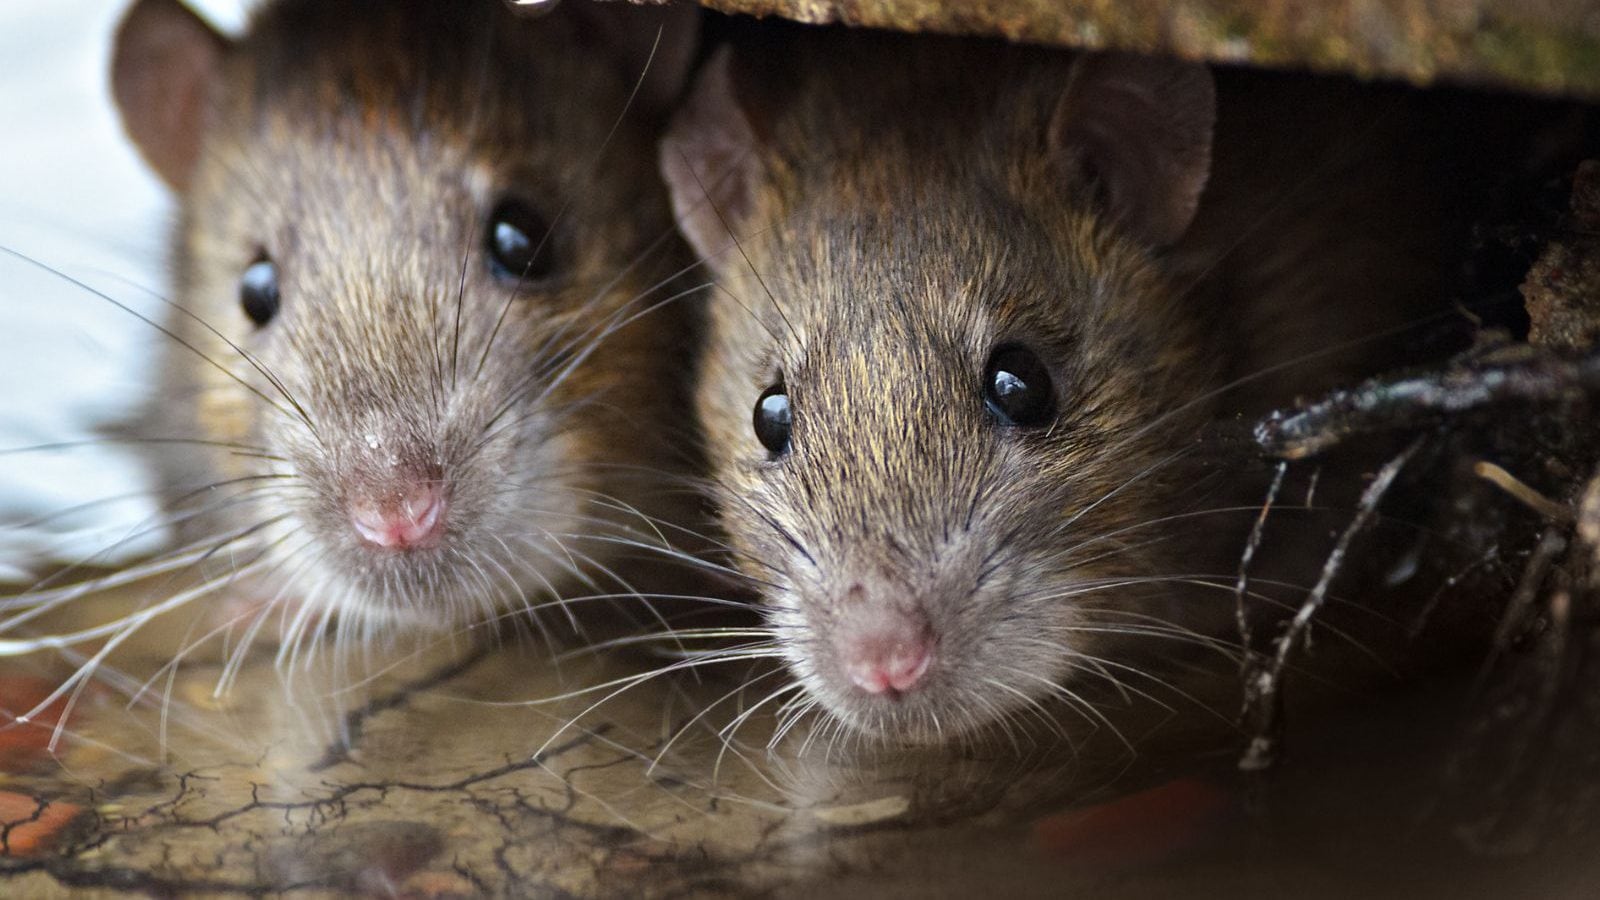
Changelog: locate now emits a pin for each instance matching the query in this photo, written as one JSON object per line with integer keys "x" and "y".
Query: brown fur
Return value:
{"x": 361, "y": 145}
{"x": 900, "y": 212}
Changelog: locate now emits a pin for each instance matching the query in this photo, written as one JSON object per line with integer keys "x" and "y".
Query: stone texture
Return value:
{"x": 1562, "y": 290}
{"x": 1550, "y": 46}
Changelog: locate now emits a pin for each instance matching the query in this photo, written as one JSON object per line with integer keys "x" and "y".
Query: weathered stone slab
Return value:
{"x": 1551, "y": 46}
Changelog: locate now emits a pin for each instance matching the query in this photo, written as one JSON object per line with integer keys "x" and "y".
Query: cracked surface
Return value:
{"x": 457, "y": 775}
{"x": 446, "y": 781}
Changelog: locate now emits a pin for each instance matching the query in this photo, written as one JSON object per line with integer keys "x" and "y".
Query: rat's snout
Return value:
{"x": 888, "y": 663}
{"x": 884, "y": 650}
{"x": 401, "y": 517}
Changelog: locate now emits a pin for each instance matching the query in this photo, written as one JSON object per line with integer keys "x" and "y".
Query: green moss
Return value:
{"x": 1237, "y": 24}
{"x": 1557, "y": 59}
{"x": 1507, "y": 49}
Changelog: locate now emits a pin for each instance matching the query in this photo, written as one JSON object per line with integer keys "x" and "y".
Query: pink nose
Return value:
{"x": 409, "y": 518}
{"x": 888, "y": 662}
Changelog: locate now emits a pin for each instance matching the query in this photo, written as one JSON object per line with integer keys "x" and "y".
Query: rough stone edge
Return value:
{"x": 1552, "y": 49}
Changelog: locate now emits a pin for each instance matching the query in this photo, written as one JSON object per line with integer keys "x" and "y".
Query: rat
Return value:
{"x": 419, "y": 371}
{"x": 978, "y": 307}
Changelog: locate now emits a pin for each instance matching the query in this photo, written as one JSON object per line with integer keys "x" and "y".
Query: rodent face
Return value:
{"x": 398, "y": 214}
{"x": 403, "y": 388}
{"x": 932, "y": 564}
{"x": 904, "y": 510}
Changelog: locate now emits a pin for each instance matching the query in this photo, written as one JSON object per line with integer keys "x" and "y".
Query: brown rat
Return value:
{"x": 977, "y": 305}
{"x": 418, "y": 358}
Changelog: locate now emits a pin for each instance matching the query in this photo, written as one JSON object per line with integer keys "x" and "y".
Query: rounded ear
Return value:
{"x": 1138, "y": 129}
{"x": 165, "y": 66}
{"x": 660, "y": 65}
{"x": 710, "y": 163}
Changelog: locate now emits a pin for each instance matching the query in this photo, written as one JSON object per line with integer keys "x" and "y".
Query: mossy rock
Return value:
{"x": 1547, "y": 46}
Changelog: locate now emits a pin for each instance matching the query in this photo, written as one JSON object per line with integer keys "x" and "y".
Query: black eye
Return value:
{"x": 258, "y": 291}
{"x": 771, "y": 419}
{"x": 1016, "y": 387}
{"x": 519, "y": 242}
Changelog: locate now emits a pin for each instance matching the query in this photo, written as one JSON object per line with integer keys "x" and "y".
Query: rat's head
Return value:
{"x": 943, "y": 383}
{"x": 412, "y": 267}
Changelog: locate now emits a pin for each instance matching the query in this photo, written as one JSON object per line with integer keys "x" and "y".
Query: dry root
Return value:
{"x": 1511, "y": 427}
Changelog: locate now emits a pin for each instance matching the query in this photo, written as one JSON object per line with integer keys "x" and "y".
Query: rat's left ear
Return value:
{"x": 1139, "y": 130}
{"x": 710, "y": 161}
{"x": 630, "y": 32}
{"x": 164, "y": 70}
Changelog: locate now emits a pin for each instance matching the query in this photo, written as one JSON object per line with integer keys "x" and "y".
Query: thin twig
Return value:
{"x": 1524, "y": 494}
{"x": 1241, "y": 587}
{"x": 1407, "y": 402}
{"x": 1263, "y": 696}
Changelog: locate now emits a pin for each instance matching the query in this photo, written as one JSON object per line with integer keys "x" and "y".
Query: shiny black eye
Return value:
{"x": 1016, "y": 387}
{"x": 519, "y": 242}
{"x": 258, "y": 291}
{"x": 771, "y": 419}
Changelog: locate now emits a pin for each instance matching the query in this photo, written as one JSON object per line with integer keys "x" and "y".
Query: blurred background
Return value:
{"x": 74, "y": 196}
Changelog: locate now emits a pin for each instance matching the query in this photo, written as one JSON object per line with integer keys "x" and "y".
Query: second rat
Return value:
{"x": 978, "y": 305}
{"x": 416, "y": 373}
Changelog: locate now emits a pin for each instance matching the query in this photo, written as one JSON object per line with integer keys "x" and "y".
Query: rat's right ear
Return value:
{"x": 710, "y": 162}
{"x": 654, "y": 46}
{"x": 166, "y": 63}
{"x": 1138, "y": 130}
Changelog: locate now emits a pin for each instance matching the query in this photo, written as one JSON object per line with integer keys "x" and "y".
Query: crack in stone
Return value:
{"x": 39, "y": 806}
{"x": 69, "y": 868}
{"x": 355, "y": 721}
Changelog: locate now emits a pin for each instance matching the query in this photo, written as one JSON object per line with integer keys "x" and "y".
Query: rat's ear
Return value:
{"x": 166, "y": 63}
{"x": 710, "y": 162}
{"x": 630, "y": 33}
{"x": 1139, "y": 129}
